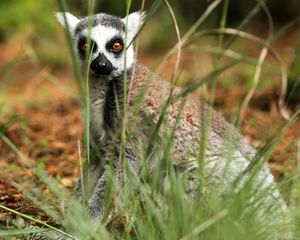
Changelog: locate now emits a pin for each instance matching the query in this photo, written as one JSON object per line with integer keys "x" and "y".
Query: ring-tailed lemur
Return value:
{"x": 106, "y": 85}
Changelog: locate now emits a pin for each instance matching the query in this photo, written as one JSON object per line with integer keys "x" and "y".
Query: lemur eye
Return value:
{"x": 117, "y": 46}
{"x": 83, "y": 46}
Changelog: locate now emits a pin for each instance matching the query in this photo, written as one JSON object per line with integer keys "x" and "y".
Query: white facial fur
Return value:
{"x": 134, "y": 22}
{"x": 102, "y": 34}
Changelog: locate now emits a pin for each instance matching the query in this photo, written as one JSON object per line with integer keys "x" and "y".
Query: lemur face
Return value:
{"x": 107, "y": 40}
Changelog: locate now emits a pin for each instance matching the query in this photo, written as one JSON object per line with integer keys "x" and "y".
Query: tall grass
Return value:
{"x": 172, "y": 203}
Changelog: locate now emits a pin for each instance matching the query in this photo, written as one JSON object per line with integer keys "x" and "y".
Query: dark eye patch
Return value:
{"x": 110, "y": 45}
{"x": 83, "y": 46}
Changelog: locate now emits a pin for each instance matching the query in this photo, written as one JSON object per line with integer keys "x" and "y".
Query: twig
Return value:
{"x": 191, "y": 31}
{"x": 81, "y": 171}
{"x": 230, "y": 31}
{"x": 269, "y": 16}
{"x": 281, "y": 101}
{"x": 250, "y": 94}
{"x": 136, "y": 53}
{"x": 179, "y": 44}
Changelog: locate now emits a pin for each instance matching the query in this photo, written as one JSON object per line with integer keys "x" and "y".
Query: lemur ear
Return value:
{"x": 72, "y": 21}
{"x": 134, "y": 22}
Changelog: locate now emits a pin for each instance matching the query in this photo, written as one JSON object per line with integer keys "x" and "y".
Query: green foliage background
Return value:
{"x": 17, "y": 16}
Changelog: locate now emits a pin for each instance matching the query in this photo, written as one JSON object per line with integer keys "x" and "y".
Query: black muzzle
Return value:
{"x": 101, "y": 65}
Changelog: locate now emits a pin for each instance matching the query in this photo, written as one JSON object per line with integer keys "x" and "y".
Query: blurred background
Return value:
{"x": 39, "y": 103}
{"x": 33, "y": 23}
{"x": 28, "y": 29}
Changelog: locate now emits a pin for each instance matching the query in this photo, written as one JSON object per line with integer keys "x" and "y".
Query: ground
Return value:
{"x": 43, "y": 108}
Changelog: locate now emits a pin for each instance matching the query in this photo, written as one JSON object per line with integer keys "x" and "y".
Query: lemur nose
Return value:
{"x": 101, "y": 65}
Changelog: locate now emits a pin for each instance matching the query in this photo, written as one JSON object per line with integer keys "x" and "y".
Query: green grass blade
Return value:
{"x": 34, "y": 220}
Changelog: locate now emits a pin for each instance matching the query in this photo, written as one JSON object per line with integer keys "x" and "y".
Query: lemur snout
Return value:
{"x": 101, "y": 65}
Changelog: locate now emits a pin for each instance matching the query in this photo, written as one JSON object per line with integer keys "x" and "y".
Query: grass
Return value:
{"x": 170, "y": 205}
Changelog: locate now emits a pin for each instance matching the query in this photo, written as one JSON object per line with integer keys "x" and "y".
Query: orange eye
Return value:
{"x": 84, "y": 47}
{"x": 117, "y": 47}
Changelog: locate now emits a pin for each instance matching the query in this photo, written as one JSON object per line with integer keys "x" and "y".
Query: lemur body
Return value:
{"x": 107, "y": 69}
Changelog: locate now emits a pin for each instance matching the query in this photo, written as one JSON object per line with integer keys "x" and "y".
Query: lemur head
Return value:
{"x": 107, "y": 36}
